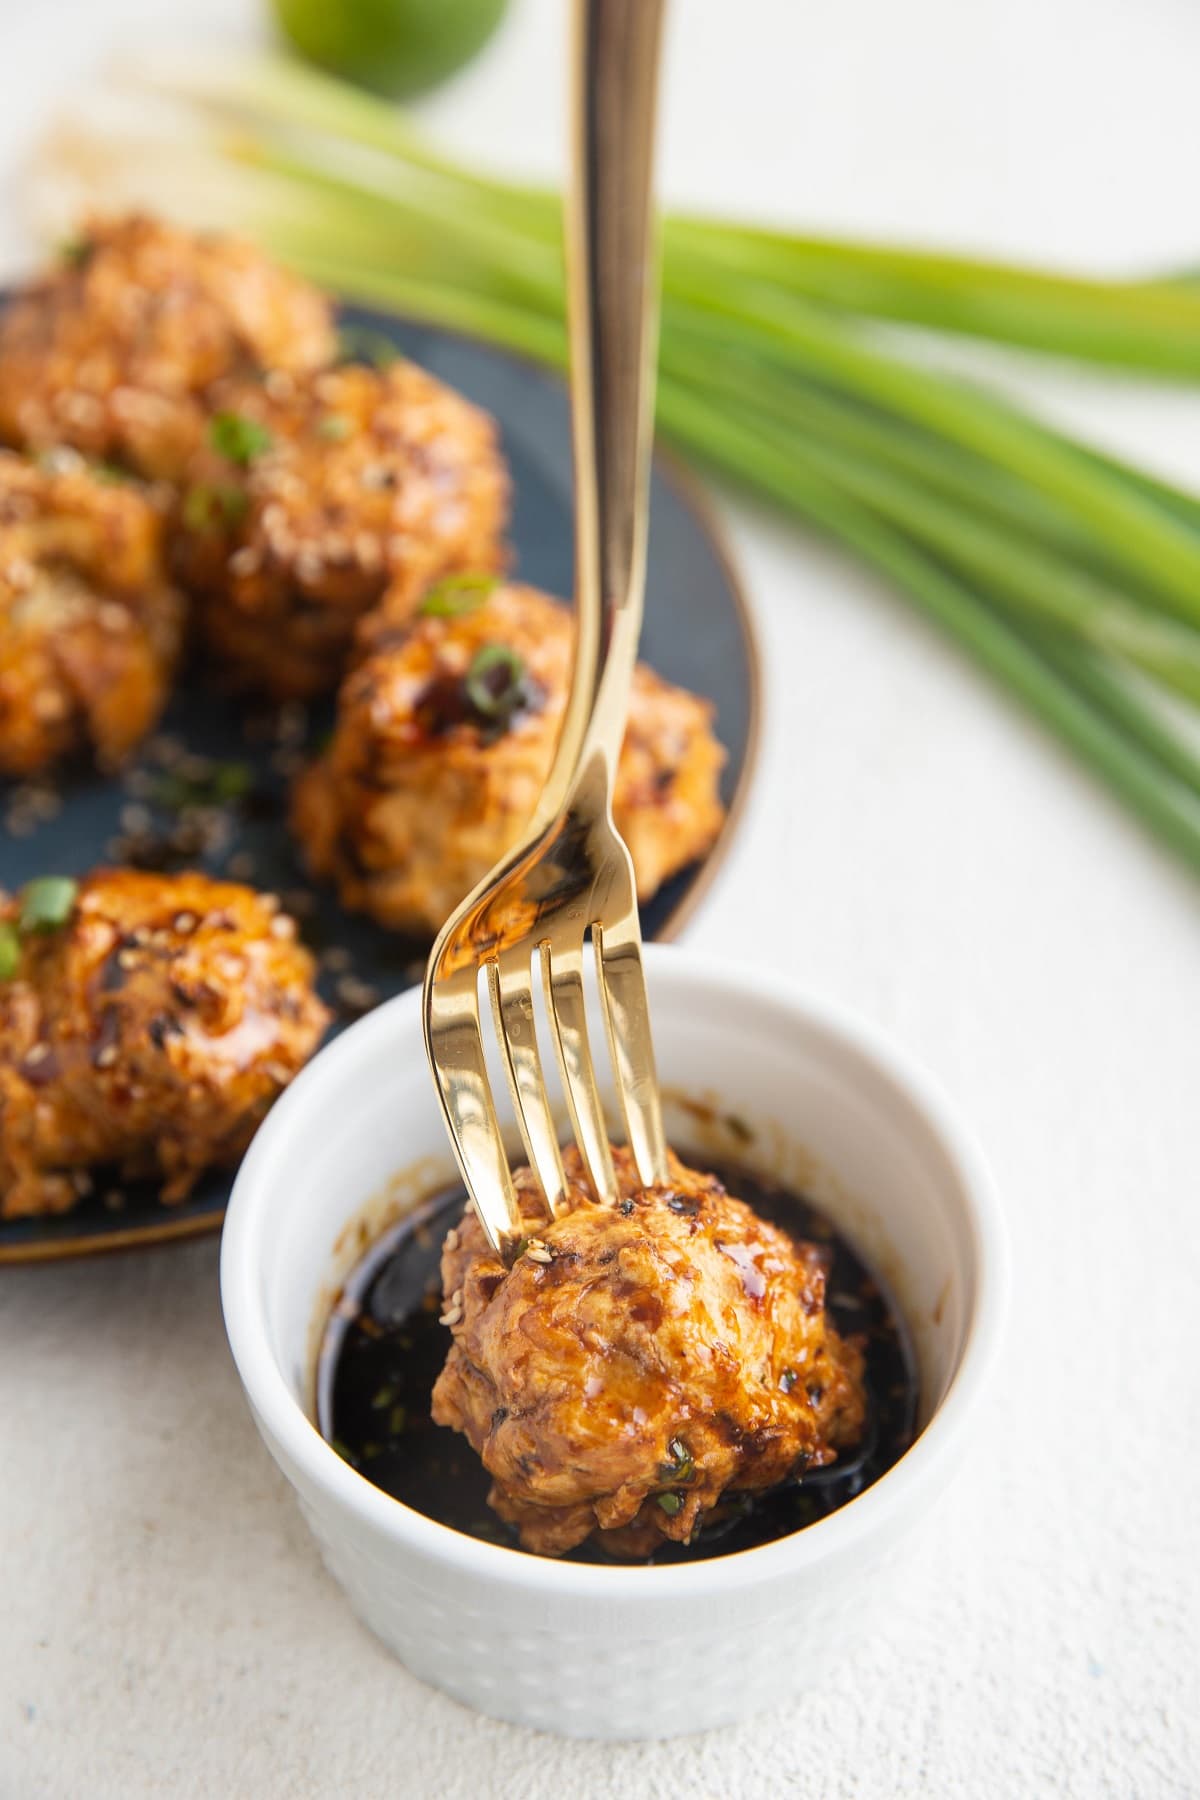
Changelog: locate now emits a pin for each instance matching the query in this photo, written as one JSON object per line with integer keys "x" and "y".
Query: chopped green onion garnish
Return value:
{"x": 670, "y": 1504}
{"x": 237, "y": 438}
{"x": 457, "y": 595}
{"x": 216, "y": 787}
{"x": 397, "y": 1419}
{"x": 46, "y": 903}
{"x": 75, "y": 251}
{"x": 359, "y": 343}
{"x": 230, "y": 781}
{"x": 211, "y": 508}
{"x": 10, "y": 951}
{"x": 334, "y": 428}
{"x": 788, "y": 1380}
{"x": 679, "y": 1466}
{"x": 494, "y": 682}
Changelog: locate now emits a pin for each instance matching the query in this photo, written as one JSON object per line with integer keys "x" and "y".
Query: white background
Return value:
{"x": 915, "y": 848}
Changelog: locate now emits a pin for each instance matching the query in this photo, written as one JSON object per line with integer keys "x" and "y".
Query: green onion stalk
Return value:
{"x": 1071, "y": 575}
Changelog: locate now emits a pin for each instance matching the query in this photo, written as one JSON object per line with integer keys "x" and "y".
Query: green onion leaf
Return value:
{"x": 670, "y": 1503}
{"x": 47, "y": 902}
{"x": 495, "y": 681}
{"x": 10, "y": 951}
{"x": 75, "y": 251}
{"x": 788, "y": 1380}
{"x": 335, "y": 428}
{"x": 457, "y": 595}
{"x": 679, "y": 1466}
{"x": 237, "y": 438}
{"x": 231, "y": 781}
{"x": 359, "y": 343}
{"x": 214, "y": 508}
{"x": 397, "y": 1419}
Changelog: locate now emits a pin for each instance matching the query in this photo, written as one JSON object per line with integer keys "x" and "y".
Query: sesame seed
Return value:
{"x": 291, "y": 723}
{"x": 106, "y": 1057}
{"x": 245, "y": 561}
{"x": 81, "y": 1181}
{"x": 185, "y": 923}
{"x": 451, "y": 1316}
{"x": 128, "y": 959}
{"x": 113, "y": 617}
{"x": 538, "y": 1252}
{"x": 165, "y": 749}
{"x": 282, "y": 926}
{"x": 451, "y": 1242}
{"x": 45, "y": 803}
{"x": 37, "y": 1054}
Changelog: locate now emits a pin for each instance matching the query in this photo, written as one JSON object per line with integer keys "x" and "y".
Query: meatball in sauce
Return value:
{"x": 681, "y": 1375}
{"x": 145, "y": 1028}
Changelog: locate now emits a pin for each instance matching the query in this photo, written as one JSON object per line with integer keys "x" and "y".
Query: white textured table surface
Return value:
{"x": 916, "y": 849}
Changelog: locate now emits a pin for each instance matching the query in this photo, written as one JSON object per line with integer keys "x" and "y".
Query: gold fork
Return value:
{"x": 572, "y": 873}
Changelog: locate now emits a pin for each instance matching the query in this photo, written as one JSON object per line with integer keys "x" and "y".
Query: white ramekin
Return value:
{"x": 604, "y": 1651}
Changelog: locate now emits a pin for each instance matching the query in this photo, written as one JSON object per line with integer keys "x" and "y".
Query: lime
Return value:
{"x": 395, "y": 47}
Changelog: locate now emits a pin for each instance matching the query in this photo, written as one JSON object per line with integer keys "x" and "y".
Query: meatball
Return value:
{"x": 433, "y": 771}
{"x": 89, "y": 627}
{"x": 147, "y": 1032}
{"x": 312, "y": 495}
{"x": 113, "y": 351}
{"x": 641, "y": 1361}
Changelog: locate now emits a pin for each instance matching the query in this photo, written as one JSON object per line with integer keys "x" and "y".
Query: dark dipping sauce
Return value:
{"x": 383, "y": 1350}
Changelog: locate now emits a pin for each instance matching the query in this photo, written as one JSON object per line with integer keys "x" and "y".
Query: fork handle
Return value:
{"x": 613, "y": 318}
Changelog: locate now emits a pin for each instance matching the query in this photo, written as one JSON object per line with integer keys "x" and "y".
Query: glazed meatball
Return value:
{"x": 313, "y": 495}
{"x": 433, "y": 771}
{"x": 89, "y": 626}
{"x": 147, "y": 1032}
{"x": 113, "y": 351}
{"x": 640, "y": 1363}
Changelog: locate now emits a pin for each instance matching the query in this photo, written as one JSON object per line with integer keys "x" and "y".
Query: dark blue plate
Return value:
{"x": 696, "y": 633}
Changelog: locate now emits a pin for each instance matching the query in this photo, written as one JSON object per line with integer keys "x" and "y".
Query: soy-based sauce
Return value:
{"x": 384, "y": 1349}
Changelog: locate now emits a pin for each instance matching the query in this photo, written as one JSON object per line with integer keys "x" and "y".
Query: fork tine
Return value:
{"x": 622, "y": 984}
{"x": 455, "y": 1046}
{"x": 510, "y": 983}
{"x": 562, "y": 973}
